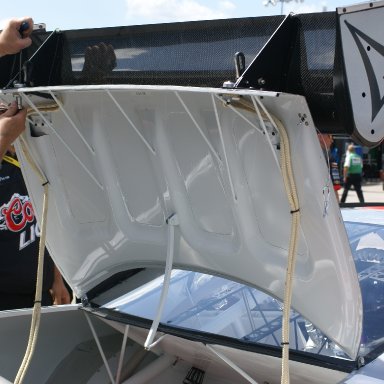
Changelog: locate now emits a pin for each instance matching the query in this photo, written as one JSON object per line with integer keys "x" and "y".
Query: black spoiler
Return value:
{"x": 299, "y": 54}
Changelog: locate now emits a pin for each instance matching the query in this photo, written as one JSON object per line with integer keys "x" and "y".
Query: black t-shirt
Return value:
{"x": 19, "y": 236}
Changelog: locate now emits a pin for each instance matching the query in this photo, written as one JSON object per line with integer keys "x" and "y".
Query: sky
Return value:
{"x": 79, "y": 14}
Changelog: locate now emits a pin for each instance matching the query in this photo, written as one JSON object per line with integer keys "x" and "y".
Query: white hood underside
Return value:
{"x": 121, "y": 160}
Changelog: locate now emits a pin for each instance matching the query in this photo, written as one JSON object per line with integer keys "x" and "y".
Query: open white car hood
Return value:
{"x": 121, "y": 160}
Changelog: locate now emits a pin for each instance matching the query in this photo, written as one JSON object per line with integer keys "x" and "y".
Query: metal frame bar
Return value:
{"x": 257, "y": 109}
{"x": 122, "y": 353}
{"x": 234, "y": 196}
{"x": 143, "y": 139}
{"x": 238, "y": 113}
{"x": 267, "y": 323}
{"x": 199, "y": 128}
{"x": 232, "y": 365}
{"x": 60, "y": 104}
{"x": 97, "y": 340}
{"x": 36, "y": 109}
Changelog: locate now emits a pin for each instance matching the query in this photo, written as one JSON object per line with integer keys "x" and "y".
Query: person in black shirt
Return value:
{"x": 19, "y": 243}
{"x": 19, "y": 233}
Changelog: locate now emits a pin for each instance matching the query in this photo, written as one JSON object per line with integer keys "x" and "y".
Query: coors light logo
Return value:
{"x": 15, "y": 217}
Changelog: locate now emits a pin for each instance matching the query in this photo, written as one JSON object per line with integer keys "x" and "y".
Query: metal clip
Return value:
{"x": 19, "y": 102}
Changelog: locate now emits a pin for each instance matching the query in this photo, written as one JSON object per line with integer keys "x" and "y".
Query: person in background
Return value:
{"x": 326, "y": 141}
{"x": 19, "y": 231}
{"x": 353, "y": 171}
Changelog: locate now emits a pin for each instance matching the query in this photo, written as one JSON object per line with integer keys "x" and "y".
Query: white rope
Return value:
{"x": 35, "y": 323}
{"x": 290, "y": 187}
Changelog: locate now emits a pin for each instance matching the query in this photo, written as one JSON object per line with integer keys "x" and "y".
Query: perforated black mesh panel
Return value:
{"x": 194, "y": 53}
{"x": 191, "y": 54}
{"x": 317, "y": 56}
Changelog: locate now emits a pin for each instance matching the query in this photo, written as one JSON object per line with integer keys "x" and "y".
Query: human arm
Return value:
{"x": 12, "y": 40}
{"x": 345, "y": 173}
{"x": 12, "y": 124}
{"x": 59, "y": 291}
{"x": 12, "y": 121}
{"x": 346, "y": 166}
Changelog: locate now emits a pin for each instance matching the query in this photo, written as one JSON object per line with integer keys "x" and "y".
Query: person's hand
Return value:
{"x": 12, "y": 40}
{"x": 99, "y": 61}
{"x": 60, "y": 294}
{"x": 12, "y": 124}
{"x": 59, "y": 291}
